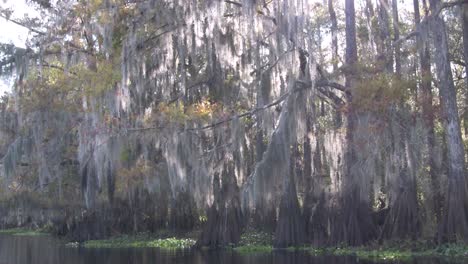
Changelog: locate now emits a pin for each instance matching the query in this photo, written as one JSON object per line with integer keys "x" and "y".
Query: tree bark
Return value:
{"x": 396, "y": 37}
{"x": 334, "y": 34}
{"x": 183, "y": 212}
{"x": 465, "y": 55}
{"x": 353, "y": 224}
{"x": 225, "y": 218}
{"x": 290, "y": 229}
{"x": 335, "y": 56}
{"x": 454, "y": 223}
{"x": 384, "y": 43}
{"x": 428, "y": 113}
{"x": 371, "y": 25}
{"x": 402, "y": 220}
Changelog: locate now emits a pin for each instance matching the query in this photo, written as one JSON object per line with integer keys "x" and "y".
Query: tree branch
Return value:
{"x": 303, "y": 85}
{"x": 233, "y": 3}
{"x": 22, "y": 24}
{"x": 326, "y": 83}
{"x": 448, "y": 5}
{"x": 407, "y": 37}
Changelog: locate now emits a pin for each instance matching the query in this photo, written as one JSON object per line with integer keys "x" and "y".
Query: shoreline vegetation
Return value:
{"x": 253, "y": 242}
{"x": 20, "y": 231}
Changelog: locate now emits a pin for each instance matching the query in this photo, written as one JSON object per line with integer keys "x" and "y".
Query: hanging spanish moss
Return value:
{"x": 223, "y": 117}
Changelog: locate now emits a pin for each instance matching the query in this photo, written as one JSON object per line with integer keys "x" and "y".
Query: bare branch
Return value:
{"x": 233, "y": 3}
{"x": 326, "y": 83}
{"x": 448, "y": 5}
{"x": 19, "y": 23}
{"x": 303, "y": 86}
{"x": 407, "y": 37}
{"x": 336, "y": 99}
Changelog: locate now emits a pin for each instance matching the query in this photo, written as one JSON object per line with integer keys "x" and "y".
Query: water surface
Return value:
{"x": 49, "y": 250}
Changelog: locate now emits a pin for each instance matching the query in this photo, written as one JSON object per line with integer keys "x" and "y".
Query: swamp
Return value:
{"x": 233, "y": 131}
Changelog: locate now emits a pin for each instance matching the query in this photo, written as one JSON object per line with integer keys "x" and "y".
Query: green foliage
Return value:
{"x": 202, "y": 219}
{"x": 23, "y": 232}
{"x": 380, "y": 91}
{"x": 254, "y": 241}
{"x": 180, "y": 113}
{"x": 130, "y": 177}
{"x": 95, "y": 82}
{"x": 399, "y": 250}
{"x": 141, "y": 240}
{"x": 254, "y": 237}
{"x": 373, "y": 254}
{"x": 56, "y": 88}
{"x": 125, "y": 155}
{"x": 49, "y": 89}
{"x": 450, "y": 250}
{"x": 249, "y": 249}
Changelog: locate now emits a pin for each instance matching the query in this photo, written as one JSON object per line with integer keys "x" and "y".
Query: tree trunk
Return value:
{"x": 315, "y": 210}
{"x": 334, "y": 34}
{"x": 402, "y": 220}
{"x": 290, "y": 230}
{"x": 454, "y": 223}
{"x": 465, "y": 55}
{"x": 225, "y": 218}
{"x": 335, "y": 56}
{"x": 183, "y": 212}
{"x": 396, "y": 37}
{"x": 428, "y": 113}
{"x": 371, "y": 25}
{"x": 384, "y": 43}
{"x": 353, "y": 224}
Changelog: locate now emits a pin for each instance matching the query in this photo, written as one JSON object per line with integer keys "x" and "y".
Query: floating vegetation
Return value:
{"x": 404, "y": 252}
{"x": 140, "y": 241}
{"x": 250, "y": 249}
{"x": 24, "y": 232}
{"x": 255, "y": 241}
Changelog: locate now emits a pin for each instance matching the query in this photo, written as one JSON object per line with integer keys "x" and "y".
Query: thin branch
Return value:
{"x": 267, "y": 67}
{"x": 22, "y": 24}
{"x": 407, "y": 37}
{"x": 151, "y": 38}
{"x": 448, "y": 5}
{"x": 52, "y": 66}
{"x": 336, "y": 99}
{"x": 233, "y": 3}
{"x": 326, "y": 83}
{"x": 304, "y": 85}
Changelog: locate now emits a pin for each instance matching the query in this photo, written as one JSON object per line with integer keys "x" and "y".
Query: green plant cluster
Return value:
{"x": 364, "y": 253}
{"x": 254, "y": 241}
{"x": 140, "y": 241}
{"x": 405, "y": 251}
{"x": 249, "y": 249}
{"x": 23, "y": 232}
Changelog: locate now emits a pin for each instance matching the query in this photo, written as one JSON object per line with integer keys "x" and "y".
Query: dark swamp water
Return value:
{"x": 48, "y": 250}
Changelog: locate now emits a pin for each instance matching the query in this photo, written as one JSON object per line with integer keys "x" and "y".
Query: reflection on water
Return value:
{"x": 48, "y": 250}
